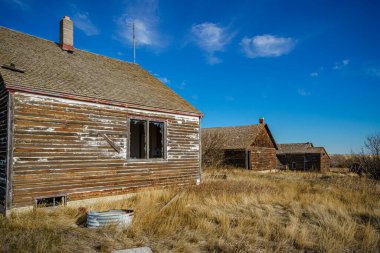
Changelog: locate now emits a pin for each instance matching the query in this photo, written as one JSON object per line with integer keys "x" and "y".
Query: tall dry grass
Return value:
{"x": 247, "y": 212}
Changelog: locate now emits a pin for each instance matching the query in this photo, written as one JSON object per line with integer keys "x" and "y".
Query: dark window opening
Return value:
{"x": 51, "y": 201}
{"x": 235, "y": 158}
{"x": 293, "y": 165}
{"x": 137, "y": 139}
{"x": 146, "y": 139}
{"x": 156, "y": 139}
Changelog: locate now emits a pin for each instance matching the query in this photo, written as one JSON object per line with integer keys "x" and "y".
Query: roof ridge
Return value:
{"x": 125, "y": 74}
{"x": 75, "y": 49}
{"x": 292, "y": 143}
{"x": 27, "y": 34}
{"x": 231, "y": 126}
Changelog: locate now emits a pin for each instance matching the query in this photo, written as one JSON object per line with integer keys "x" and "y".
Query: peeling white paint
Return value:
{"x": 182, "y": 147}
{"x": 49, "y": 129}
{"x": 195, "y": 148}
{"x": 41, "y": 98}
{"x": 193, "y": 136}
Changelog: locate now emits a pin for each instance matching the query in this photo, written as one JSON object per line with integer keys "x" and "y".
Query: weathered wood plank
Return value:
{"x": 3, "y": 143}
{"x": 263, "y": 158}
{"x": 58, "y": 150}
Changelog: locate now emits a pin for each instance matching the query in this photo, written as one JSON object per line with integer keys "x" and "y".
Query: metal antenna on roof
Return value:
{"x": 131, "y": 24}
{"x": 134, "y": 42}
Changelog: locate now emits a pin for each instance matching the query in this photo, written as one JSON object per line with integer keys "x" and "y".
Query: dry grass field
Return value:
{"x": 247, "y": 212}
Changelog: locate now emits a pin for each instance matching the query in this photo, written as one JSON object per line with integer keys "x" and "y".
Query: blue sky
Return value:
{"x": 311, "y": 68}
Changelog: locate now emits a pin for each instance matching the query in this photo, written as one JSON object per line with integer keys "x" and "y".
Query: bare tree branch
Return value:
{"x": 368, "y": 160}
{"x": 212, "y": 152}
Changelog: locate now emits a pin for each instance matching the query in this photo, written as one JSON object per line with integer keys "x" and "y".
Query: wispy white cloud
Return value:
{"x": 83, "y": 23}
{"x": 212, "y": 59}
{"x": 144, "y": 15}
{"x": 194, "y": 97}
{"x": 266, "y": 46}
{"x": 230, "y": 98}
{"x": 302, "y": 92}
{"x": 314, "y": 74}
{"x": 341, "y": 64}
{"x": 21, "y": 4}
{"x": 163, "y": 79}
{"x": 182, "y": 85}
{"x": 373, "y": 71}
{"x": 211, "y": 38}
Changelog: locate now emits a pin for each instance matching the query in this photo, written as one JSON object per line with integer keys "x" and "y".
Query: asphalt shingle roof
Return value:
{"x": 236, "y": 137}
{"x": 292, "y": 148}
{"x": 48, "y": 68}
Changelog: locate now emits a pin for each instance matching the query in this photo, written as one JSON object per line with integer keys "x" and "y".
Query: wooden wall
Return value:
{"x": 325, "y": 162}
{"x": 262, "y": 158}
{"x": 288, "y": 159}
{"x": 307, "y": 161}
{"x": 58, "y": 149}
{"x": 3, "y": 144}
{"x": 263, "y": 139}
{"x": 313, "y": 161}
{"x": 263, "y": 152}
{"x": 235, "y": 158}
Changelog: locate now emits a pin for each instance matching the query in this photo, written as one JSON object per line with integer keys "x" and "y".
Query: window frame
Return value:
{"x": 164, "y": 143}
{"x": 63, "y": 197}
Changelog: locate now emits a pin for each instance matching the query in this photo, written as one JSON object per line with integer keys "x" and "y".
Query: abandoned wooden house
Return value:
{"x": 77, "y": 126}
{"x": 303, "y": 156}
{"x": 251, "y": 147}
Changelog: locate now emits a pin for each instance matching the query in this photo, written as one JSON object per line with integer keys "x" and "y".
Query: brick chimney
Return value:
{"x": 66, "y": 34}
{"x": 261, "y": 120}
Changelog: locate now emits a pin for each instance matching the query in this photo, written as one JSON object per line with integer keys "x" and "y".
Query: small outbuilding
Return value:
{"x": 76, "y": 126}
{"x": 251, "y": 147}
{"x": 303, "y": 156}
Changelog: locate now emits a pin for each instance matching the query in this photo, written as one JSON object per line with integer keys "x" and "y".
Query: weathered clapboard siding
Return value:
{"x": 58, "y": 149}
{"x": 249, "y": 147}
{"x": 263, "y": 152}
{"x": 306, "y": 161}
{"x": 263, "y": 139}
{"x": 303, "y": 156}
{"x": 235, "y": 158}
{"x": 325, "y": 162}
{"x": 3, "y": 144}
{"x": 263, "y": 158}
{"x": 289, "y": 159}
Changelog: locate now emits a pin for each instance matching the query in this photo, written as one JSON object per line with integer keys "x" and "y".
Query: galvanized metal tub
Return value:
{"x": 122, "y": 218}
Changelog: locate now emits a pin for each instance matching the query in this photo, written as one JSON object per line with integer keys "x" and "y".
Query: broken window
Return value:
{"x": 156, "y": 139}
{"x": 137, "y": 139}
{"x": 51, "y": 201}
{"x": 146, "y": 139}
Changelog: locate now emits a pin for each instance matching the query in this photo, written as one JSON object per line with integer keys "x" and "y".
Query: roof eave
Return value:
{"x": 271, "y": 136}
{"x": 14, "y": 88}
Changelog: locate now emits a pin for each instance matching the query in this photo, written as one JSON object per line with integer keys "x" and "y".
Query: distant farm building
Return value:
{"x": 251, "y": 147}
{"x": 303, "y": 156}
{"x": 77, "y": 125}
